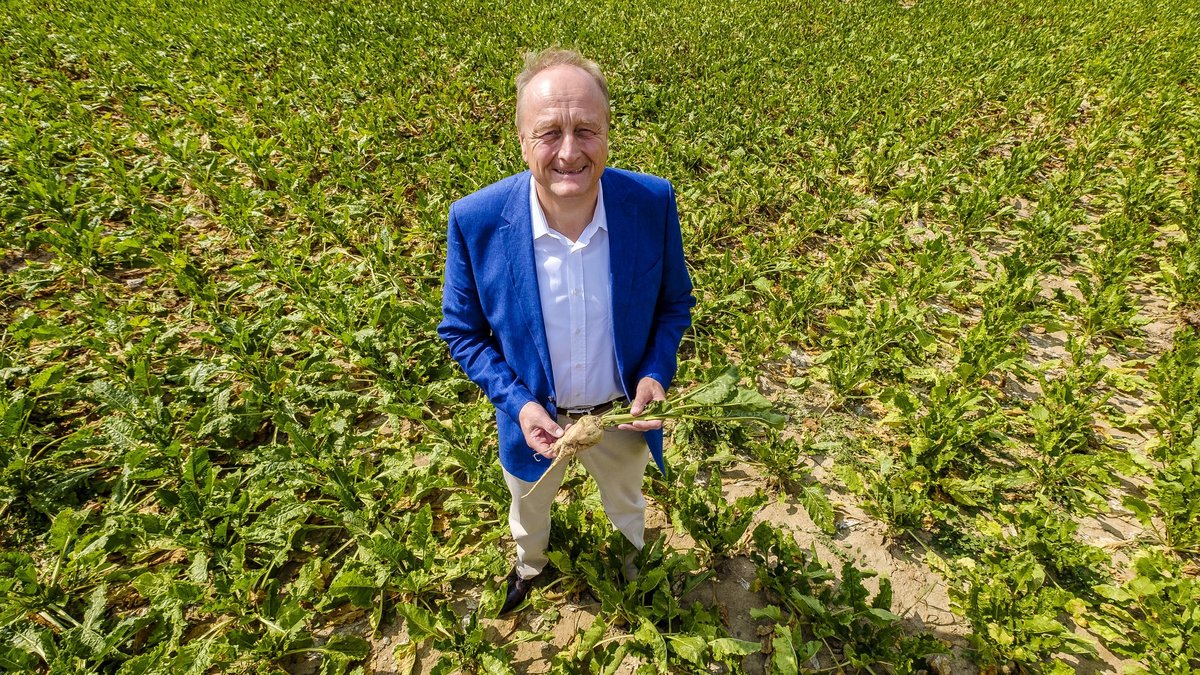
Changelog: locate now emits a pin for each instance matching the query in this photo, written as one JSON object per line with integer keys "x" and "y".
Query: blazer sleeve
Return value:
{"x": 673, "y": 309}
{"x": 467, "y": 332}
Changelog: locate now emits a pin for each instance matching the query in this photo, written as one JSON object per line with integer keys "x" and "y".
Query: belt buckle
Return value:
{"x": 579, "y": 412}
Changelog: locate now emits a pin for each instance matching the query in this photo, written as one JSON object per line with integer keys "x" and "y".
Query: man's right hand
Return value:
{"x": 540, "y": 431}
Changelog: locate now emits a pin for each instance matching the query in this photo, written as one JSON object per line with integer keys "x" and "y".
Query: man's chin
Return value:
{"x": 572, "y": 190}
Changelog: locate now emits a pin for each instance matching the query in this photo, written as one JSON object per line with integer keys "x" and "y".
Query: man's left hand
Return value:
{"x": 648, "y": 389}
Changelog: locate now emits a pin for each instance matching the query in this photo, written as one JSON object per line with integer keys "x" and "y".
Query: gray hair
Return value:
{"x": 536, "y": 62}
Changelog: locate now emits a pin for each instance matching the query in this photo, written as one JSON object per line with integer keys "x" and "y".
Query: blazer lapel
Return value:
{"x": 517, "y": 238}
{"x": 622, "y": 215}
{"x": 622, "y": 249}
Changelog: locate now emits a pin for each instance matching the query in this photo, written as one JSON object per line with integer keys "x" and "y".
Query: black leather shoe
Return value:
{"x": 516, "y": 590}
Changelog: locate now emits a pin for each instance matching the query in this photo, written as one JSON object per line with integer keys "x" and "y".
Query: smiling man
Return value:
{"x": 566, "y": 291}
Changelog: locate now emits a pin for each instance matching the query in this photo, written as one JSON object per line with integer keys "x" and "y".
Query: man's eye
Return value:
{"x": 585, "y": 133}
{"x": 549, "y": 134}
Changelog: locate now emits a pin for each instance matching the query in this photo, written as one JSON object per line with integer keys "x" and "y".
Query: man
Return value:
{"x": 566, "y": 290}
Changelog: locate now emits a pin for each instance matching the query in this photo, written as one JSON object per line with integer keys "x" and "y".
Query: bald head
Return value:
{"x": 561, "y": 88}
{"x": 537, "y": 62}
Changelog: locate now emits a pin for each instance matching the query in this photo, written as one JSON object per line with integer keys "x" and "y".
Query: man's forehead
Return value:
{"x": 548, "y": 112}
{"x": 563, "y": 85}
{"x": 563, "y": 76}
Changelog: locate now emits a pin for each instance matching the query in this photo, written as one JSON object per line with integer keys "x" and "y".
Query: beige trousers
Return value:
{"x": 617, "y": 463}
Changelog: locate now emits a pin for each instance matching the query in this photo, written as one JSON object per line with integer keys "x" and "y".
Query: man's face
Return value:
{"x": 564, "y": 133}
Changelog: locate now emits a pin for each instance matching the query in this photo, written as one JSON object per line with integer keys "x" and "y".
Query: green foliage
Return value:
{"x": 1053, "y": 540}
{"x": 782, "y": 459}
{"x": 1181, "y": 270}
{"x": 819, "y": 612}
{"x": 668, "y": 634}
{"x": 1176, "y": 378}
{"x": 948, "y": 434}
{"x": 699, "y": 508}
{"x": 1069, "y": 464}
{"x": 1013, "y": 613}
{"x": 1107, "y": 306}
{"x": 866, "y": 341}
{"x": 227, "y": 423}
{"x": 1154, "y": 616}
{"x": 721, "y": 399}
{"x": 948, "y": 429}
{"x": 1173, "y": 513}
{"x": 463, "y": 643}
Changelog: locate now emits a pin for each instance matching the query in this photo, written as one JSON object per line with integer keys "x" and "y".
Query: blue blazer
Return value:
{"x": 492, "y": 314}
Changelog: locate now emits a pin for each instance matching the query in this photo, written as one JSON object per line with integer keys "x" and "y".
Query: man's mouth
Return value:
{"x": 570, "y": 172}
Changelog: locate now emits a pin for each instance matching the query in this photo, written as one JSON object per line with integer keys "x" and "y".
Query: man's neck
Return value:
{"x": 568, "y": 217}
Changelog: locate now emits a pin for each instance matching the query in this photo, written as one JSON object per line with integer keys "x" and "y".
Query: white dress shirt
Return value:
{"x": 573, "y": 284}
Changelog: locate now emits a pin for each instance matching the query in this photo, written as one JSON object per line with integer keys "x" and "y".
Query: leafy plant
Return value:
{"x": 699, "y": 508}
{"x": 1013, "y": 613}
{"x": 1069, "y": 464}
{"x": 719, "y": 400}
{"x": 1176, "y": 378}
{"x": 464, "y": 645}
{"x": 818, "y": 612}
{"x": 781, "y": 457}
{"x": 1142, "y": 617}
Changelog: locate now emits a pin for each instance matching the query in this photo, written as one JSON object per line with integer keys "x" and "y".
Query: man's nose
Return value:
{"x": 569, "y": 147}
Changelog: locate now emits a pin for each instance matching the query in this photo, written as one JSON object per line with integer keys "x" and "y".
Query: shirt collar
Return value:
{"x": 541, "y": 228}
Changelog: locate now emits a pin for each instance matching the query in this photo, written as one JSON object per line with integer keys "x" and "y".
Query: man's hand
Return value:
{"x": 648, "y": 389}
{"x": 540, "y": 431}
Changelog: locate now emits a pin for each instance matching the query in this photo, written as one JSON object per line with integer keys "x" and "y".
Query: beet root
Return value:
{"x": 583, "y": 434}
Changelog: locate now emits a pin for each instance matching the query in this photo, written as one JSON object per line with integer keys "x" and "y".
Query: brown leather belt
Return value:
{"x": 590, "y": 410}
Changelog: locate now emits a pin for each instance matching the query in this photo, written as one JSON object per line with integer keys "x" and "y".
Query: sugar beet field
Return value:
{"x": 957, "y": 243}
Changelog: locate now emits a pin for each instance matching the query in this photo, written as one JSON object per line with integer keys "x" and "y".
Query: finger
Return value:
{"x": 549, "y": 433}
{"x": 547, "y": 424}
{"x": 638, "y": 405}
{"x": 544, "y": 449}
{"x": 548, "y": 450}
{"x": 540, "y": 439}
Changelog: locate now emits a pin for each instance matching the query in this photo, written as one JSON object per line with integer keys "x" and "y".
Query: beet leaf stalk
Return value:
{"x": 722, "y": 399}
